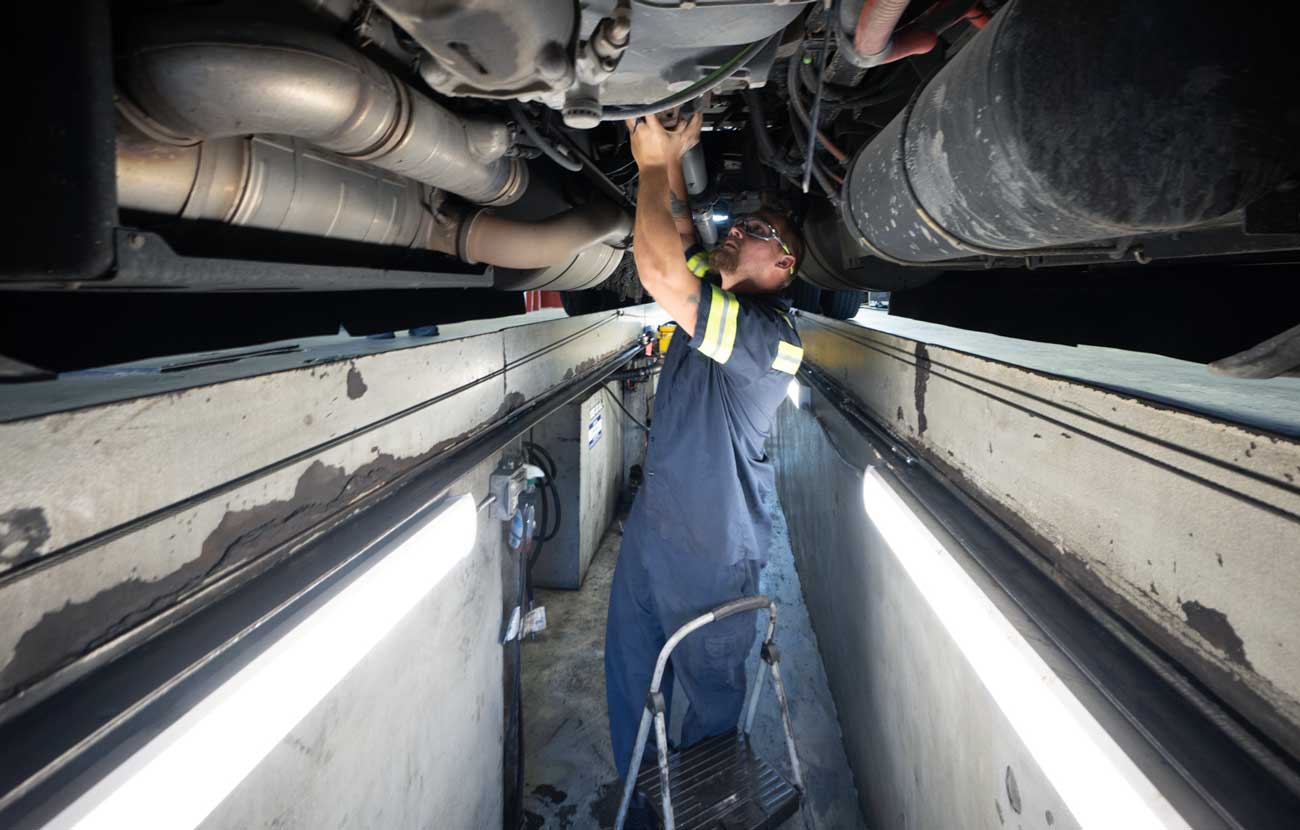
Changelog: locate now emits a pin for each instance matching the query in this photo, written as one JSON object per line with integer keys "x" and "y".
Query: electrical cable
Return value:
{"x": 619, "y": 404}
{"x": 706, "y": 84}
{"x": 834, "y": 93}
{"x": 814, "y": 133}
{"x": 796, "y": 103}
{"x": 535, "y": 138}
{"x": 827, "y": 184}
{"x": 819, "y": 172}
{"x": 517, "y": 693}
{"x": 597, "y": 175}
{"x": 758, "y": 125}
{"x": 543, "y": 516}
{"x": 622, "y": 168}
{"x": 559, "y": 515}
{"x": 548, "y": 466}
{"x": 543, "y": 459}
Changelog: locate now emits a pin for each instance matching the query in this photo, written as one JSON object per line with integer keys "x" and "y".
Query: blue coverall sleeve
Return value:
{"x": 746, "y": 336}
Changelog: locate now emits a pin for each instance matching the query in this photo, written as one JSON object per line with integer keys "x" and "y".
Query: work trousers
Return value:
{"x": 657, "y": 589}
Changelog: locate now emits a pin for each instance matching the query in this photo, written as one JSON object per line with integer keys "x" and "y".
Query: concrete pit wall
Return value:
{"x": 928, "y": 745}
{"x": 413, "y": 736}
{"x": 1184, "y": 525}
{"x": 121, "y": 506}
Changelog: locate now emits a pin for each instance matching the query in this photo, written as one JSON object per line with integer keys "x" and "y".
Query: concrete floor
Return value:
{"x": 569, "y": 775}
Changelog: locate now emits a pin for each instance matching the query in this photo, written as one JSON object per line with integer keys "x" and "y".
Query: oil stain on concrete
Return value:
{"x": 356, "y": 385}
{"x": 919, "y": 388}
{"x": 23, "y": 532}
{"x": 1213, "y": 625}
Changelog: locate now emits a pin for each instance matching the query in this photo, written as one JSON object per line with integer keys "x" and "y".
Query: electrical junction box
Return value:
{"x": 586, "y": 440}
{"x": 507, "y": 487}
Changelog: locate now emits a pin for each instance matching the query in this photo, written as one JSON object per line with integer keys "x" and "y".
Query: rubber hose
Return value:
{"x": 706, "y": 84}
{"x": 876, "y": 24}
{"x": 535, "y": 138}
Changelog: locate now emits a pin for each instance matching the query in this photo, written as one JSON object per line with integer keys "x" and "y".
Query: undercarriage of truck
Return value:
{"x": 331, "y": 397}
{"x": 378, "y": 165}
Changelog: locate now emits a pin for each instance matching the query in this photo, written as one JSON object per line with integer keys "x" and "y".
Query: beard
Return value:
{"x": 724, "y": 259}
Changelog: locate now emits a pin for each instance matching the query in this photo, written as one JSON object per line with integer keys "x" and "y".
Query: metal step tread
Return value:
{"x": 721, "y": 784}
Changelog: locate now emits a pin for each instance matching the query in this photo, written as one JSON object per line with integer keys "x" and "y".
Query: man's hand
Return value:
{"x": 690, "y": 133}
{"x": 654, "y": 145}
{"x": 659, "y": 249}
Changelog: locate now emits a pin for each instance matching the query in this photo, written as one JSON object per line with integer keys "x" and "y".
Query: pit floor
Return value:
{"x": 569, "y": 779}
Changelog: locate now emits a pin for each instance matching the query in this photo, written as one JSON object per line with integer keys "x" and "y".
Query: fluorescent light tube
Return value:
{"x": 179, "y": 777}
{"x": 1098, "y": 782}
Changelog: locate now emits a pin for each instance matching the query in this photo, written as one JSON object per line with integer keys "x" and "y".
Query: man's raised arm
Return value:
{"x": 657, "y": 245}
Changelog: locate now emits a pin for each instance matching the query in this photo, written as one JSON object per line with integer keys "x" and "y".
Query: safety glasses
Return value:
{"x": 759, "y": 228}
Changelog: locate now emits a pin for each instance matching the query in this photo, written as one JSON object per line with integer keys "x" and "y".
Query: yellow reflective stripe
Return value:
{"x": 720, "y": 330}
{"x": 729, "y": 327}
{"x": 713, "y": 328}
{"x": 786, "y": 318}
{"x": 698, "y": 265}
{"x": 788, "y": 357}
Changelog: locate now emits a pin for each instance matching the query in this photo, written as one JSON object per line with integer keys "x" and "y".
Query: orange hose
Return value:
{"x": 840, "y": 156}
{"x": 876, "y": 24}
{"x": 977, "y": 17}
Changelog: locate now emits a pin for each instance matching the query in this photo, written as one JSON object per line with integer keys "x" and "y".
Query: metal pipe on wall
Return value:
{"x": 184, "y": 81}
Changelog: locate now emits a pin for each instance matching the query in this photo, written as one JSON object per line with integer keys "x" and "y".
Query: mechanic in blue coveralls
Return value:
{"x": 699, "y": 530}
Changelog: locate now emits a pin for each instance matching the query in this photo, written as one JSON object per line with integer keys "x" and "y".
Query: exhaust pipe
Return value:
{"x": 1064, "y": 123}
{"x": 283, "y": 184}
{"x": 567, "y": 252}
{"x": 485, "y": 237}
{"x": 185, "y": 82}
{"x": 272, "y": 182}
{"x": 226, "y": 125}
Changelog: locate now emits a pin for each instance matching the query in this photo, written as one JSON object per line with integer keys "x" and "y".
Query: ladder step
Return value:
{"x": 721, "y": 784}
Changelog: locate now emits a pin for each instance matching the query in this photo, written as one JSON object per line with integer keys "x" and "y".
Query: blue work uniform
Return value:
{"x": 699, "y": 529}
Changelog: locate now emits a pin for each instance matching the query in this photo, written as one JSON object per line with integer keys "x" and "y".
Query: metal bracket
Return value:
{"x": 654, "y": 702}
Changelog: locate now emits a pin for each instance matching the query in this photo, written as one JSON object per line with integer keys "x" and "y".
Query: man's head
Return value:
{"x": 759, "y": 253}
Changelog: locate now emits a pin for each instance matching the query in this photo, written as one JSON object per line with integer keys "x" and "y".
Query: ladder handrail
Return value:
{"x": 654, "y": 708}
{"x": 736, "y": 606}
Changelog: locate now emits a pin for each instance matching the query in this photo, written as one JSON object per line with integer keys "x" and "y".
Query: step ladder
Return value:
{"x": 719, "y": 783}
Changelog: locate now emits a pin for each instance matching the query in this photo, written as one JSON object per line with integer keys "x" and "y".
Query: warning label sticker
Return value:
{"x": 595, "y": 424}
